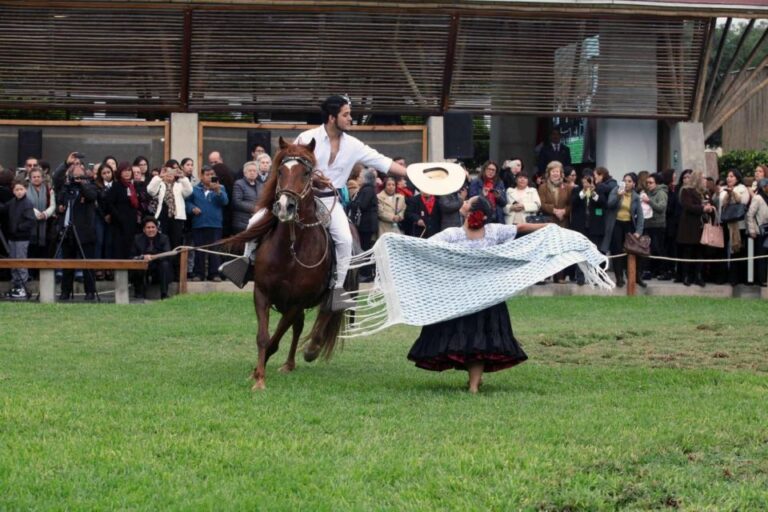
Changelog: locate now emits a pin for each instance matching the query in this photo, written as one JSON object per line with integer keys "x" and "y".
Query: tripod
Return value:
{"x": 69, "y": 232}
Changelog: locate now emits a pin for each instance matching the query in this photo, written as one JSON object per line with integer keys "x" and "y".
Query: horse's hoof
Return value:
{"x": 311, "y": 355}
{"x": 258, "y": 385}
{"x": 287, "y": 368}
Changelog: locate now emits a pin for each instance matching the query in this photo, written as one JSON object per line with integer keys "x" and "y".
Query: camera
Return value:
{"x": 214, "y": 179}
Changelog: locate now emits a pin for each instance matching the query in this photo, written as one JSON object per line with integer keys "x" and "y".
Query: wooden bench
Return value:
{"x": 48, "y": 267}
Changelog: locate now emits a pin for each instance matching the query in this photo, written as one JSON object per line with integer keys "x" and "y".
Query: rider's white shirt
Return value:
{"x": 351, "y": 151}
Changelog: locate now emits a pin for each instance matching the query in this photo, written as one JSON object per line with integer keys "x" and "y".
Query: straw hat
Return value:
{"x": 437, "y": 178}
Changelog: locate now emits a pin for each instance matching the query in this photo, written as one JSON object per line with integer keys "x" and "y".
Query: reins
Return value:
{"x": 299, "y": 198}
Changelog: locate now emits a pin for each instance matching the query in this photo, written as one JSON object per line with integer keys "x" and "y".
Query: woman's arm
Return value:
{"x": 530, "y": 228}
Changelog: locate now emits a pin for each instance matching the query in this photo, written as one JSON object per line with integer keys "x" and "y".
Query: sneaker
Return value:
{"x": 236, "y": 270}
{"x": 18, "y": 293}
{"x": 215, "y": 279}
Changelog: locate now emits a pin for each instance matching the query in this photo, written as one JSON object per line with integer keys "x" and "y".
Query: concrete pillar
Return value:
{"x": 184, "y": 141}
{"x": 47, "y": 286}
{"x": 435, "y": 141}
{"x": 513, "y": 136}
{"x": 121, "y": 287}
{"x": 627, "y": 145}
{"x": 686, "y": 147}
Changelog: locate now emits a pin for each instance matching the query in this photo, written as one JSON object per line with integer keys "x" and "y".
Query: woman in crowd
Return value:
{"x": 369, "y": 219}
{"x": 450, "y": 208}
{"x": 489, "y": 185}
{"x": 585, "y": 205}
{"x": 265, "y": 166}
{"x": 110, "y": 161}
{"x": 655, "y": 226}
{"x": 479, "y": 342}
{"x": 170, "y": 189}
{"x": 522, "y": 201}
{"x": 245, "y": 193}
{"x": 103, "y": 247}
{"x": 607, "y": 190}
{"x": 629, "y": 220}
{"x": 143, "y": 164}
{"x": 734, "y": 232}
{"x": 188, "y": 167}
{"x": 353, "y": 183}
{"x": 44, "y": 202}
{"x": 510, "y": 171}
{"x": 757, "y": 226}
{"x": 391, "y": 207}
{"x": 761, "y": 171}
{"x": 555, "y": 197}
{"x": 694, "y": 203}
{"x": 570, "y": 176}
{"x": 122, "y": 204}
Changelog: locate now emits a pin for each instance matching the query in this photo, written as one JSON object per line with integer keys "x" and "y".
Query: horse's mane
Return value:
{"x": 267, "y": 196}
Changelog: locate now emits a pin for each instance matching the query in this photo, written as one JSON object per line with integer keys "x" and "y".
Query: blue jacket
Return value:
{"x": 212, "y": 206}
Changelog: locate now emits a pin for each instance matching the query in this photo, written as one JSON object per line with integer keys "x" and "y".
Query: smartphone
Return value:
{"x": 214, "y": 179}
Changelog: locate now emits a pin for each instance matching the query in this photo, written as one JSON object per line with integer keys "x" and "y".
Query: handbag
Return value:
{"x": 733, "y": 212}
{"x": 639, "y": 246}
{"x": 712, "y": 235}
{"x": 538, "y": 218}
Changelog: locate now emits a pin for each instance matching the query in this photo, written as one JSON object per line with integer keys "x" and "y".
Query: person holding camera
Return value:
{"x": 489, "y": 185}
{"x": 122, "y": 204}
{"x": 170, "y": 189}
{"x": 76, "y": 208}
{"x": 206, "y": 206}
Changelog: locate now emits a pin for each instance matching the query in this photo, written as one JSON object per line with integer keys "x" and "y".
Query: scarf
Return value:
{"x": 420, "y": 281}
{"x": 41, "y": 199}
{"x": 170, "y": 202}
{"x": 490, "y": 185}
{"x": 405, "y": 191}
{"x": 429, "y": 204}
{"x": 555, "y": 189}
{"x": 132, "y": 193}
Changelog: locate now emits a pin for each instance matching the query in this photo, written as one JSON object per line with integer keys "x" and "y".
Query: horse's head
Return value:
{"x": 294, "y": 165}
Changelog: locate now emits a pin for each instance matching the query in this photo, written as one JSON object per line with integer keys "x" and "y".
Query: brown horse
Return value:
{"x": 293, "y": 261}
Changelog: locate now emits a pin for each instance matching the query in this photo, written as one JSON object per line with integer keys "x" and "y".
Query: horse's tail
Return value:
{"x": 326, "y": 331}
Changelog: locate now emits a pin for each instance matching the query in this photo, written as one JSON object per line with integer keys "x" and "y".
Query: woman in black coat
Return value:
{"x": 123, "y": 208}
{"x": 368, "y": 226}
{"x": 695, "y": 204}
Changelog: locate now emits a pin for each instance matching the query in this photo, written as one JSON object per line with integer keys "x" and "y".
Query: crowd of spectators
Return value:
{"x": 120, "y": 209}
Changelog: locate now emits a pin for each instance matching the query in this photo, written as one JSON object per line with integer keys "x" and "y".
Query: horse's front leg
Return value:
{"x": 298, "y": 326}
{"x": 282, "y": 326}
{"x": 262, "y": 338}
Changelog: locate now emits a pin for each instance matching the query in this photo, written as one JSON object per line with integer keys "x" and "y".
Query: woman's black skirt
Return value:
{"x": 485, "y": 336}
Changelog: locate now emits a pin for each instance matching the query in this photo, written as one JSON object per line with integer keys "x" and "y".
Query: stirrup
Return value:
{"x": 236, "y": 270}
{"x": 340, "y": 302}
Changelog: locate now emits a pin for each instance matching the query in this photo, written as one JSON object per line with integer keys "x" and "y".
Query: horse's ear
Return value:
{"x": 283, "y": 144}
{"x": 311, "y": 145}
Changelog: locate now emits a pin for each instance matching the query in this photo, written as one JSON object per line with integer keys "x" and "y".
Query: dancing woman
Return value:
{"x": 482, "y": 341}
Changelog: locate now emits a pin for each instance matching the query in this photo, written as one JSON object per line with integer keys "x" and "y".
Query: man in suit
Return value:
{"x": 554, "y": 150}
{"x": 146, "y": 245}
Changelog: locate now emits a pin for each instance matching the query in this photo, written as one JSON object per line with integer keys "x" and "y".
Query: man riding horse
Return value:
{"x": 336, "y": 152}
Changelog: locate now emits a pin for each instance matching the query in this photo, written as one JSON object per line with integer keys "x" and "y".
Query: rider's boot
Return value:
{"x": 238, "y": 270}
{"x": 340, "y": 302}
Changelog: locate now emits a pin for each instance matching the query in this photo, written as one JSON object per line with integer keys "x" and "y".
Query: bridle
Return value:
{"x": 298, "y": 197}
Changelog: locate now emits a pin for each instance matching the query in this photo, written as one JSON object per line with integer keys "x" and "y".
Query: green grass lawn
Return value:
{"x": 625, "y": 403}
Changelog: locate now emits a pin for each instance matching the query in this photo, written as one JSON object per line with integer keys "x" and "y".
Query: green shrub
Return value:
{"x": 744, "y": 160}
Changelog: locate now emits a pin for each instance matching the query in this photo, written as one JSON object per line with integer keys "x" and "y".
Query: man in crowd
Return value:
{"x": 76, "y": 207}
{"x": 214, "y": 157}
{"x": 146, "y": 245}
{"x": 555, "y": 150}
{"x": 206, "y": 207}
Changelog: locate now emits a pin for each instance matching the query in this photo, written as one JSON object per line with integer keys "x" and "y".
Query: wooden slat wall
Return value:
{"x": 748, "y": 128}
{"x": 262, "y": 60}
{"x": 65, "y": 57}
{"x": 581, "y": 66}
{"x": 291, "y": 61}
